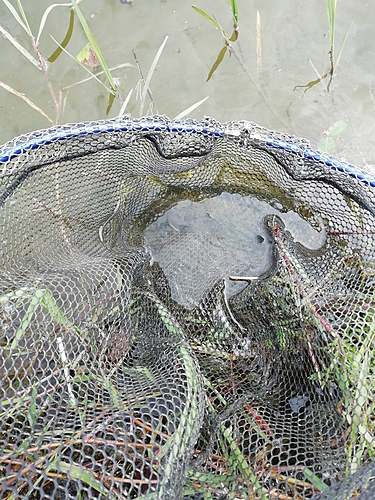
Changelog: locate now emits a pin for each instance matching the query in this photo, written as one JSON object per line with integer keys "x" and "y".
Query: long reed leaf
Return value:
{"x": 241, "y": 463}
{"x": 20, "y": 8}
{"x": 211, "y": 19}
{"x": 342, "y": 44}
{"x": 95, "y": 46}
{"x": 314, "y": 480}
{"x": 81, "y": 474}
{"x": 19, "y": 47}
{"x": 65, "y": 41}
{"x": 17, "y": 17}
{"x": 45, "y": 15}
{"x": 149, "y": 75}
{"x": 234, "y": 7}
{"x": 124, "y": 104}
{"x": 216, "y": 64}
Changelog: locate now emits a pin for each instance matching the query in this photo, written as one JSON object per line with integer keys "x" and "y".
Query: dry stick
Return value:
{"x": 7, "y": 459}
{"x": 258, "y": 44}
{"x": 142, "y": 77}
{"x": 118, "y": 66}
{"x": 46, "y": 76}
{"x": 150, "y": 429}
{"x": 19, "y": 394}
{"x": 36, "y": 464}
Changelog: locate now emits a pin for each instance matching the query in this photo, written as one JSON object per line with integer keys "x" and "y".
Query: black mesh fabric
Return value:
{"x": 186, "y": 311}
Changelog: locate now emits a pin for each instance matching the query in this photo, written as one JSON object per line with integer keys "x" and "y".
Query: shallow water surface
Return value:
{"x": 284, "y": 45}
{"x": 199, "y": 243}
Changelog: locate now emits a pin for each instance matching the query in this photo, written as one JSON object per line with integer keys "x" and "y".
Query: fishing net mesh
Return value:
{"x": 186, "y": 311}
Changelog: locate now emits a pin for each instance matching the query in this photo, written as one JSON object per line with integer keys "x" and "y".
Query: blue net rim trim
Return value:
{"x": 68, "y": 132}
{"x": 146, "y": 125}
{"x": 326, "y": 159}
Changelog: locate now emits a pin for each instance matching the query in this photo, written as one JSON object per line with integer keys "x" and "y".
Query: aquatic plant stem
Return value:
{"x": 47, "y": 78}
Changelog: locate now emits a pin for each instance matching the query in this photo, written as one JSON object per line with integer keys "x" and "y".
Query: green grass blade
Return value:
{"x": 48, "y": 302}
{"x": 111, "y": 100}
{"x": 342, "y": 44}
{"x": 111, "y": 391}
{"x": 45, "y": 299}
{"x": 216, "y": 64}
{"x": 82, "y": 65}
{"x": 314, "y": 480}
{"x": 149, "y": 75}
{"x": 215, "y": 391}
{"x": 331, "y": 11}
{"x": 65, "y": 41}
{"x": 241, "y": 462}
{"x": 19, "y": 47}
{"x": 95, "y": 46}
{"x": 189, "y": 424}
{"x": 234, "y": 7}
{"x": 81, "y": 474}
{"x": 20, "y": 8}
{"x": 45, "y": 15}
{"x": 31, "y": 414}
{"x": 211, "y": 19}
{"x": 34, "y": 303}
{"x": 190, "y": 109}
{"x": 17, "y": 17}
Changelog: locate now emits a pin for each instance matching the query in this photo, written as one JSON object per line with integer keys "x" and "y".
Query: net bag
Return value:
{"x": 186, "y": 311}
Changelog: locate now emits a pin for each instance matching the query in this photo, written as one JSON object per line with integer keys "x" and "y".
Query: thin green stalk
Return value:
{"x": 95, "y": 46}
{"x": 234, "y": 7}
{"x": 186, "y": 433}
{"x": 237, "y": 460}
{"x": 228, "y": 47}
{"x": 314, "y": 480}
{"x": 42, "y": 298}
{"x": 82, "y": 65}
{"x": 21, "y": 19}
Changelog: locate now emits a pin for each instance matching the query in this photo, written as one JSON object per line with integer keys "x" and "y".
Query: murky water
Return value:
{"x": 292, "y": 40}
{"x": 199, "y": 243}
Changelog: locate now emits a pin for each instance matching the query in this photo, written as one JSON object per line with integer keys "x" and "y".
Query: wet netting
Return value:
{"x": 186, "y": 311}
